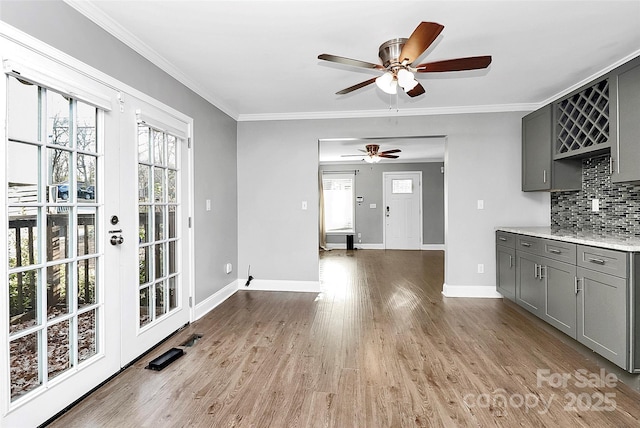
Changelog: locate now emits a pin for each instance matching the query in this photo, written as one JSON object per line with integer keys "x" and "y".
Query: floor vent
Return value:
{"x": 165, "y": 359}
{"x": 191, "y": 340}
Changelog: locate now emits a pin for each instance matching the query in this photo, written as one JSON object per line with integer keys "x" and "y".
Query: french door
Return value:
{"x": 96, "y": 195}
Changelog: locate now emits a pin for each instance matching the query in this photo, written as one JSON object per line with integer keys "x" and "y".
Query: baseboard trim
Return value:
{"x": 215, "y": 299}
{"x": 432, "y": 247}
{"x": 276, "y": 285}
{"x": 475, "y": 291}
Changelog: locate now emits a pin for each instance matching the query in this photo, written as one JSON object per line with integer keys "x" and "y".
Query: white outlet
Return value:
{"x": 208, "y": 204}
{"x": 480, "y": 204}
{"x": 228, "y": 268}
{"x": 359, "y": 235}
{"x": 304, "y": 205}
{"x": 480, "y": 268}
{"x": 595, "y": 205}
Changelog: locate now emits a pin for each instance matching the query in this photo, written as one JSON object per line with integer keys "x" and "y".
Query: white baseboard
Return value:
{"x": 276, "y": 285}
{"x": 215, "y": 299}
{"x": 369, "y": 246}
{"x": 432, "y": 247}
{"x": 477, "y": 291}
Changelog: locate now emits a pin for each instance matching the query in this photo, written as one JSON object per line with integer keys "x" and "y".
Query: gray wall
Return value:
{"x": 214, "y": 134}
{"x": 278, "y": 166}
{"x": 368, "y": 184}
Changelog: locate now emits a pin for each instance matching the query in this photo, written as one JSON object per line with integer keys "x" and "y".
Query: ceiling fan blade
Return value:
{"x": 346, "y": 156}
{"x": 380, "y": 155}
{"x": 358, "y": 86}
{"x": 417, "y": 90}
{"x": 386, "y": 152}
{"x": 349, "y": 61}
{"x": 458, "y": 64}
{"x": 419, "y": 41}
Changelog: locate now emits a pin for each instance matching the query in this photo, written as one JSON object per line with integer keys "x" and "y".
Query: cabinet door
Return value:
{"x": 560, "y": 295}
{"x": 506, "y": 271}
{"x": 536, "y": 150}
{"x": 625, "y": 132}
{"x": 530, "y": 289}
{"x": 602, "y": 315}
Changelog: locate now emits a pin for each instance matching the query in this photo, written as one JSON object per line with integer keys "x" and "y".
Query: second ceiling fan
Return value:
{"x": 398, "y": 56}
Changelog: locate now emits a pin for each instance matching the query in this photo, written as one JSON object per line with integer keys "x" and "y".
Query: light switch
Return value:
{"x": 480, "y": 204}
{"x": 595, "y": 205}
{"x": 304, "y": 205}
{"x": 208, "y": 204}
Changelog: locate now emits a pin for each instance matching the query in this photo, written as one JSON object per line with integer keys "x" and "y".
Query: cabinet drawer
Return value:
{"x": 602, "y": 260}
{"x": 529, "y": 244}
{"x": 558, "y": 250}
{"x": 505, "y": 239}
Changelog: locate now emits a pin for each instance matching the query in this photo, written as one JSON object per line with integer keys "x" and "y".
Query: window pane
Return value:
{"x": 24, "y": 355}
{"x": 172, "y": 221}
{"x": 173, "y": 296}
{"x": 160, "y": 307}
{"x": 143, "y": 144}
{"x": 23, "y": 300}
{"x": 59, "y": 162}
{"x": 86, "y": 127}
{"x": 171, "y": 151}
{"x": 145, "y": 308}
{"x": 402, "y": 186}
{"x": 159, "y": 223}
{"x": 58, "y": 349}
{"x": 86, "y": 177}
{"x": 158, "y": 147}
{"x": 159, "y": 261}
{"x": 58, "y": 236}
{"x": 338, "y": 204}
{"x": 58, "y": 290}
{"x": 144, "y": 222}
{"x": 22, "y": 239}
{"x": 86, "y": 282}
{"x": 86, "y": 231}
{"x": 172, "y": 257}
{"x": 23, "y": 172}
{"x": 172, "y": 186}
{"x": 22, "y": 110}
{"x": 144, "y": 177}
{"x": 158, "y": 184}
{"x": 87, "y": 343}
{"x": 143, "y": 264}
{"x": 57, "y": 119}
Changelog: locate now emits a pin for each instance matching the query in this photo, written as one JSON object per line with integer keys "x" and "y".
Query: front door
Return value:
{"x": 402, "y": 211}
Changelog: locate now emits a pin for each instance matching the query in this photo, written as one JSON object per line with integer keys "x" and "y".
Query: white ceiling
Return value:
{"x": 257, "y": 60}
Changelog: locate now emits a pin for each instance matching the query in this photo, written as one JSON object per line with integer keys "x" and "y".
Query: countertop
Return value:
{"x": 613, "y": 241}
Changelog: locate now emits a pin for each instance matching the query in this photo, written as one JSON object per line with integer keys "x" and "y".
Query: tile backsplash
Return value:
{"x": 619, "y": 203}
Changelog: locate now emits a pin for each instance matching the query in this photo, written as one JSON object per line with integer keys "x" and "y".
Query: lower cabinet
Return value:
{"x": 583, "y": 291}
{"x": 602, "y": 314}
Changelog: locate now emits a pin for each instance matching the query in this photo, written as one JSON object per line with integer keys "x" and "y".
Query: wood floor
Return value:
{"x": 379, "y": 347}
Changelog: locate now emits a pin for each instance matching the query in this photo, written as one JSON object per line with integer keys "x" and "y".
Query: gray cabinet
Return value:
{"x": 539, "y": 171}
{"x": 560, "y": 305}
{"x": 529, "y": 286}
{"x": 625, "y": 131}
{"x": 506, "y": 265}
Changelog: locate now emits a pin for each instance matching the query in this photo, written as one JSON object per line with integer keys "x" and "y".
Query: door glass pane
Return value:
{"x": 58, "y": 236}
{"x": 144, "y": 148}
{"x": 86, "y": 282}
{"x": 172, "y": 257}
{"x": 158, "y": 147}
{"x": 23, "y": 300}
{"x": 172, "y": 186}
{"x": 87, "y": 343}
{"x": 59, "y": 162}
{"x": 23, "y": 237}
{"x": 402, "y": 186}
{"x": 57, "y": 290}
{"x": 171, "y": 151}
{"x": 86, "y": 171}
{"x": 23, "y": 172}
{"x": 143, "y": 223}
{"x": 173, "y": 296}
{"x": 58, "y": 348}
{"x": 158, "y": 184}
{"x": 144, "y": 177}
{"x": 159, "y": 223}
{"x": 172, "y": 221}
{"x": 23, "y": 110}
{"x": 86, "y": 127}
{"x": 159, "y": 260}
{"x": 58, "y": 125}
{"x": 145, "y": 306}
{"x": 143, "y": 263}
{"x": 86, "y": 231}
{"x": 24, "y": 355}
{"x": 160, "y": 306}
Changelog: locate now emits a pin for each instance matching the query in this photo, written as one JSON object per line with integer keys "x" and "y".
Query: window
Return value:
{"x": 338, "y": 203}
{"x": 402, "y": 186}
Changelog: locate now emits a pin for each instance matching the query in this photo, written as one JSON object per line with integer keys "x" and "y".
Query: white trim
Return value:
{"x": 105, "y": 22}
{"x": 475, "y": 291}
{"x": 211, "y": 302}
{"x": 276, "y": 285}
{"x": 431, "y": 111}
{"x": 432, "y": 247}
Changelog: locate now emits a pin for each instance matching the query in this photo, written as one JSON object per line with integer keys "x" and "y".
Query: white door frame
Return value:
{"x": 386, "y": 174}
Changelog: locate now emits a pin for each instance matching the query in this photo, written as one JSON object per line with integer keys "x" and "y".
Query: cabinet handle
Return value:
{"x": 510, "y": 261}
{"x": 577, "y": 280}
{"x": 597, "y": 261}
{"x": 554, "y": 251}
{"x": 545, "y": 272}
{"x": 535, "y": 270}
{"x": 544, "y": 175}
{"x": 502, "y": 239}
{"x": 525, "y": 244}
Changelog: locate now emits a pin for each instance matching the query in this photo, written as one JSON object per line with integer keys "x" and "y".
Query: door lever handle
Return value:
{"x": 387, "y": 211}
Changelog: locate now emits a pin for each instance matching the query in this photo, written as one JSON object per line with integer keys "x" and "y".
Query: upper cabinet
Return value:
{"x": 625, "y": 131}
{"x": 539, "y": 171}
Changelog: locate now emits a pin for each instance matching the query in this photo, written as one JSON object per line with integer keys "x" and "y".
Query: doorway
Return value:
{"x": 402, "y": 212}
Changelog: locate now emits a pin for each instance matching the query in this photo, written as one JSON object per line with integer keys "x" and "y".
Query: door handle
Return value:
{"x": 116, "y": 239}
{"x": 387, "y": 211}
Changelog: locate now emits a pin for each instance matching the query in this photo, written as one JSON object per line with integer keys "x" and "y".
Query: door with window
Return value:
{"x": 402, "y": 210}
{"x": 96, "y": 209}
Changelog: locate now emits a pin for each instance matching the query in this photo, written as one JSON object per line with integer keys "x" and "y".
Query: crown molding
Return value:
{"x": 93, "y": 13}
{"x": 497, "y": 108}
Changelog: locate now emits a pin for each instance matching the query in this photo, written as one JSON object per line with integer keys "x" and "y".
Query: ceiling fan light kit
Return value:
{"x": 397, "y": 56}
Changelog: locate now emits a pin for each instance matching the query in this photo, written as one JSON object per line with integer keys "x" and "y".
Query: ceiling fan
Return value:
{"x": 373, "y": 153}
{"x": 397, "y": 57}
